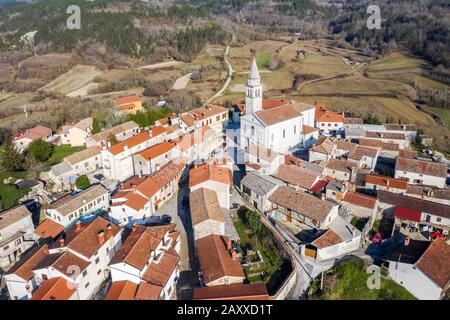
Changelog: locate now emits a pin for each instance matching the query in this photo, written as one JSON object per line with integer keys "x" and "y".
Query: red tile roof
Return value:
{"x": 387, "y": 182}
{"x": 328, "y": 239}
{"x": 407, "y": 214}
{"x": 255, "y": 291}
{"x": 28, "y": 262}
{"x": 130, "y": 143}
{"x": 435, "y": 262}
{"x": 214, "y": 259}
{"x": 156, "y": 150}
{"x": 358, "y": 199}
{"x": 127, "y": 290}
{"x": 206, "y": 172}
{"x": 49, "y": 229}
{"x": 54, "y": 289}
{"x": 128, "y": 99}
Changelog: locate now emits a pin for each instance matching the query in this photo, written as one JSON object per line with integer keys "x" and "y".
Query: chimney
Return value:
{"x": 78, "y": 225}
{"x": 407, "y": 240}
{"x": 109, "y": 233}
{"x": 101, "y": 237}
{"x": 108, "y": 144}
{"x": 61, "y": 242}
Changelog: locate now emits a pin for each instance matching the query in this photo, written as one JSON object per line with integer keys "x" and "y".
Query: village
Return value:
{"x": 199, "y": 205}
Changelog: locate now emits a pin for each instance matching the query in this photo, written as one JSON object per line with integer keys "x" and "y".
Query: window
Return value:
{"x": 97, "y": 260}
{"x": 438, "y": 219}
{"x": 87, "y": 285}
{"x": 284, "y": 133}
{"x": 99, "y": 271}
{"x": 295, "y": 129}
{"x": 253, "y": 130}
{"x": 84, "y": 273}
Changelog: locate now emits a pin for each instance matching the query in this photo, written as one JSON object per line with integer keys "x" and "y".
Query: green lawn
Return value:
{"x": 9, "y": 193}
{"x": 60, "y": 152}
{"x": 348, "y": 281}
{"x": 263, "y": 59}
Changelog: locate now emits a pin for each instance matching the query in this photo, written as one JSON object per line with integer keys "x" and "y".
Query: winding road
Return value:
{"x": 227, "y": 82}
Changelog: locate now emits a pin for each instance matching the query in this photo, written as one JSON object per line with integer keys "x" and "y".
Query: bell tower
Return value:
{"x": 253, "y": 90}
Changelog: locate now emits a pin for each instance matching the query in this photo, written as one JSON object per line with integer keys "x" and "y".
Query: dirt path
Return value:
{"x": 182, "y": 82}
{"x": 160, "y": 65}
{"x": 227, "y": 82}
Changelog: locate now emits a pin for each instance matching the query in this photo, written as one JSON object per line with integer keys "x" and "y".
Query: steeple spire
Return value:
{"x": 254, "y": 72}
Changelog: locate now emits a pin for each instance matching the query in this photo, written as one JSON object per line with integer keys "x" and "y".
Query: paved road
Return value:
{"x": 188, "y": 264}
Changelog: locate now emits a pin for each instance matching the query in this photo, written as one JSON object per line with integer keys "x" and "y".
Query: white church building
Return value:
{"x": 275, "y": 124}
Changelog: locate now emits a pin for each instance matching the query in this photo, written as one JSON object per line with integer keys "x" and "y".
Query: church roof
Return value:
{"x": 291, "y": 109}
{"x": 254, "y": 72}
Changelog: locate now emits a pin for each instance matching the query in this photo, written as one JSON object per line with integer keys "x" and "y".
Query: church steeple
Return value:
{"x": 253, "y": 95}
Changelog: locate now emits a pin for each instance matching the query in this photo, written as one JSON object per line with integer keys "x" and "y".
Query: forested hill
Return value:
{"x": 180, "y": 28}
{"x": 130, "y": 27}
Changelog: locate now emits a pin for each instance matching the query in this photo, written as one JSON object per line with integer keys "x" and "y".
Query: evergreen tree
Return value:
{"x": 11, "y": 159}
{"x": 82, "y": 182}
{"x": 96, "y": 126}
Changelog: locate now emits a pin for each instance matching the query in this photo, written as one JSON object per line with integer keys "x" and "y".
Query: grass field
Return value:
{"x": 75, "y": 80}
{"x": 10, "y": 100}
{"x": 9, "y": 193}
{"x": 348, "y": 281}
{"x": 60, "y": 152}
{"x": 263, "y": 59}
{"x": 443, "y": 113}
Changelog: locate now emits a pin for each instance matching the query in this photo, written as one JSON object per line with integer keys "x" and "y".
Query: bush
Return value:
{"x": 40, "y": 150}
{"x": 82, "y": 182}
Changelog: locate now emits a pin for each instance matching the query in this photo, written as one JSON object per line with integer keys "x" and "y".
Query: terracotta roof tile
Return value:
{"x": 156, "y": 150}
{"x": 204, "y": 205}
{"x": 421, "y": 167}
{"x": 49, "y": 229}
{"x": 358, "y": 199}
{"x": 128, "y": 99}
{"x": 54, "y": 289}
{"x": 387, "y": 182}
{"x": 13, "y": 215}
{"x": 122, "y": 290}
{"x": 435, "y": 262}
{"x": 214, "y": 259}
{"x": 238, "y": 291}
{"x": 206, "y": 172}
{"x": 328, "y": 239}
{"x": 295, "y": 175}
{"x": 83, "y": 155}
{"x": 129, "y": 143}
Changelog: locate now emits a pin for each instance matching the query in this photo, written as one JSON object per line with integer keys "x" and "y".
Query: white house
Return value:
{"x": 375, "y": 183}
{"x": 23, "y": 140}
{"x": 360, "y": 205}
{"x": 149, "y": 255}
{"x": 329, "y": 122}
{"x": 138, "y": 198}
{"x": 364, "y": 157}
{"x": 422, "y": 268}
{"x": 76, "y": 135}
{"x": 421, "y": 172}
{"x": 262, "y": 160}
{"x": 81, "y": 257}
{"x": 340, "y": 238}
{"x": 324, "y": 149}
{"x": 257, "y": 188}
{"x": 118, "y": 159}
{"x": 341, "y": 170}
{"x": 276, "y": 126}
{"x": 212, "y": 177}
{"x": 16, "y": 234}
{"x": 70, "y": 208}
{"x": 297, "y": 177}
{"x": 120, "y": 132}
{"x": 211, "y": 115}
{"x": 153, "y": 158}
{"x": 206, "y": 214}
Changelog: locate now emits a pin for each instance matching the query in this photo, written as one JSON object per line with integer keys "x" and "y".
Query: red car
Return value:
{"x": 377, "y": 238}
{"x": 435, "y": 235}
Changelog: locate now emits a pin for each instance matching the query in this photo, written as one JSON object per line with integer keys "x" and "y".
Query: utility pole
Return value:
{"x": 321, "y": 279}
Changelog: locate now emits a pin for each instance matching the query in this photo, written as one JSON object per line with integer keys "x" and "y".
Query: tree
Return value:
{"x": 34, "y": 167}
{"x": 112, "y": 139}
{"x": 40, "y": 150}
{"x": 96, "y": 126}
{"x": 82, "y": 182}
{"x": 11, "y": 159}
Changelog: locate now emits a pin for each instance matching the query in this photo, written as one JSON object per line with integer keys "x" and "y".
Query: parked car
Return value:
{"x": 377, "y": 238}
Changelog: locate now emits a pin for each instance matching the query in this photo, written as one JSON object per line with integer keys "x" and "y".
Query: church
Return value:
{"x": 275, "y": 124}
